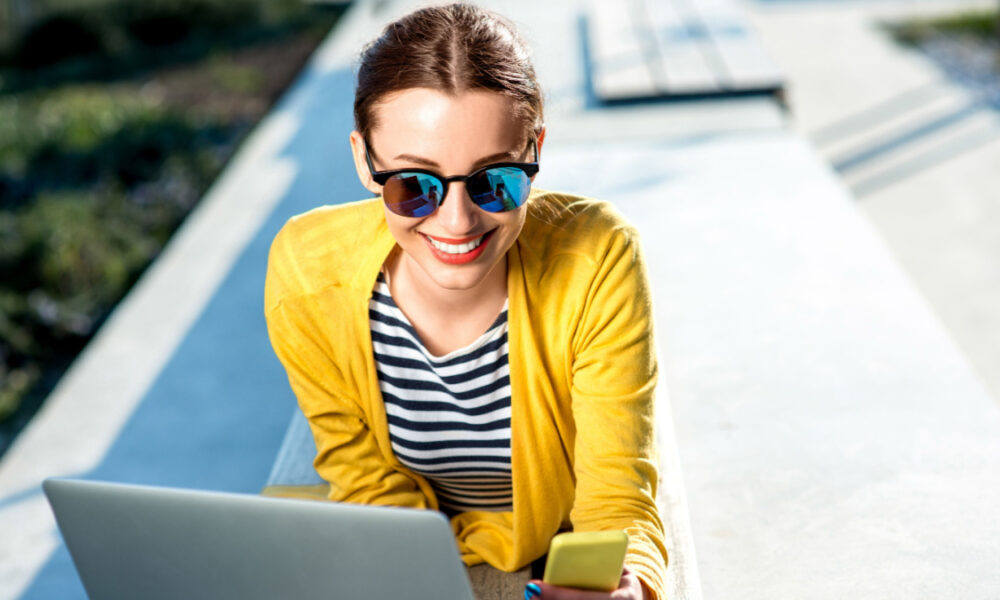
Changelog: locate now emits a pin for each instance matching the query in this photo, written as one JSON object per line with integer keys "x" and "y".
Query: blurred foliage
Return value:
{"x": 105, "y": 40}
{"x": 235, "y": 78}
{"x": 85, "y": 136}
{"x": 982, "y": 24}
{"x": 115, "y": 117}
{"x": 91, "y": 186}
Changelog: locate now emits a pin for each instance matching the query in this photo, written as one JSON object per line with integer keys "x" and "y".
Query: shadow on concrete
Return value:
{"x": 914, "y": 133}
{"x": 915, "y": 130}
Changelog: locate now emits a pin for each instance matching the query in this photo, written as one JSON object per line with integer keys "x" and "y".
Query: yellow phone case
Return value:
{"x": 591, "y": 560}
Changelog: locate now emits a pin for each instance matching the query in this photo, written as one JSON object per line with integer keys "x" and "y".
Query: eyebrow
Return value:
{"x": 508, "y": 156}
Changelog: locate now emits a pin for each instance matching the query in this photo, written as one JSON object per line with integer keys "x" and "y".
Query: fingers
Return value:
{"x": 553, "y": 592}
{"x": 629, "y": 588}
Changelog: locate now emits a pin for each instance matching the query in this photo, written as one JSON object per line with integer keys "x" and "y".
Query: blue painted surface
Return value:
{"x": 294, "y": 464}
{"x": 215, "y": 417}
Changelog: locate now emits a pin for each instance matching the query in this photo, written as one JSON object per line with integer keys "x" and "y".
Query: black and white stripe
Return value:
{"x": 449, "y": 416}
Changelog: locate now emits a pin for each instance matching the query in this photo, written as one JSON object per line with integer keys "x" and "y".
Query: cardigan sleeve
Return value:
{"x": 614, "y": 375}
{"x": 348, "y": 456}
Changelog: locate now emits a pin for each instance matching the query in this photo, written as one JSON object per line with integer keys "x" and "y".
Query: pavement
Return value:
{"x": 918, "y": 151}
{"x": 822, "y": 433}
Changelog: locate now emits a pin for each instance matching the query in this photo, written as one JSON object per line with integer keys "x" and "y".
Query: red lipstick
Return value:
{"x": 459, "y": 259}
{"x": 454, "y": 241}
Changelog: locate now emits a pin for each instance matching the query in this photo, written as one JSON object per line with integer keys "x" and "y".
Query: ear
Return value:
{"x": 361, "y": 165}
{"x": 538, "y": 142}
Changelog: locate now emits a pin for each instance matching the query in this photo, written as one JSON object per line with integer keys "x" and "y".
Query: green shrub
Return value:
{"x": 92, "y": 184}
{"x": 14, "y": 384}
{"x": 59, "y": 38}
{"x": 983, "y": 24}
{"x": 100, "y": 41}
{"x": 79, "y": 136}
{"x": 95, "y": 176}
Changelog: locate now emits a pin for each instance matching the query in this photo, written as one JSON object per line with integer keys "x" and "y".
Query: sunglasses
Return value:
{"x": 418, "y": 192}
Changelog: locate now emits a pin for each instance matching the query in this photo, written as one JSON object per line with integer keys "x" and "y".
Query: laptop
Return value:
{"x": 131, "y": 541}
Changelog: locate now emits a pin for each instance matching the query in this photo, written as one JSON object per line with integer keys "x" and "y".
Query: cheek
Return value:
{"x": 512, "y": 224}
{"x": 515, "y": 219}
{"x": 399, "y": 227}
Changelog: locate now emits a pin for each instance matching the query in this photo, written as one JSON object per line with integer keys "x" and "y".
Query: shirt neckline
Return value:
{"x": 491, "y": 333}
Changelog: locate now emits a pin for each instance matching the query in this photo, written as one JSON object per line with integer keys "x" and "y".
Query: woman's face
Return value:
{"x": 458, "y": 246}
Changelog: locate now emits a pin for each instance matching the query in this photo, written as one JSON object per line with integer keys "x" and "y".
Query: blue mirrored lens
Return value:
{"x": 499, "y": 189}
{"x": 413, "y": 194}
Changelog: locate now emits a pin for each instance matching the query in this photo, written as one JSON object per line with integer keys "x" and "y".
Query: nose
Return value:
{"x": 457, "y": 214}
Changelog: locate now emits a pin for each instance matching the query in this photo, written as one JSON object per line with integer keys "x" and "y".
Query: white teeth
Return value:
{"x": 457, "y": 248}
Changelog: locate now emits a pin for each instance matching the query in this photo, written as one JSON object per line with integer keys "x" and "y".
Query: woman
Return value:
{"x": 465, "y": 343}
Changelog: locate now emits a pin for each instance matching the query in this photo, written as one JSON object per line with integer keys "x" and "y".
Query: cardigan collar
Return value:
{"x": 381, "y": 245}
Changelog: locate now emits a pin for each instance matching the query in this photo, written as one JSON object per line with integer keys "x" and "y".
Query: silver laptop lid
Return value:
{"x": 130, "y": 541}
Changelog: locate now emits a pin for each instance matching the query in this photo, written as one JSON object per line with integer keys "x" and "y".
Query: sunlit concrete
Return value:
{"x": 920, "y": 152}
{"x": 833, "y": 440}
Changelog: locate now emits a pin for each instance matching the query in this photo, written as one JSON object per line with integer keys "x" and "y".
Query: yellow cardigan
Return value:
{"x": 582, "y": 376}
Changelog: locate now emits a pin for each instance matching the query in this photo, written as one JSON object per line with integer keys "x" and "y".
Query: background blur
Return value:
{"x": 115, "y": 117}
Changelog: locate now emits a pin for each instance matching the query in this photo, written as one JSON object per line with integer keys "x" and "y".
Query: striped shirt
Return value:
{"x": 449, "y": 416}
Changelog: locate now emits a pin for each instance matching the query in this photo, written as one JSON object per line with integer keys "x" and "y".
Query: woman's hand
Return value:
{"x": 629, "y": 588}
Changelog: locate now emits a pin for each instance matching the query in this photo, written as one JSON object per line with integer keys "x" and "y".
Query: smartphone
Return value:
{"x": 590, "y": 560}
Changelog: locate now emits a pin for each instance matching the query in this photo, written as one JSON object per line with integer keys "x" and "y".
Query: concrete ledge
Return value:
{"x": 833, "y": 440}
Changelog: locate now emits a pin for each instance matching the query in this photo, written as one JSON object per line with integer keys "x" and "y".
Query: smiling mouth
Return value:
{"x": 457, "y": 249}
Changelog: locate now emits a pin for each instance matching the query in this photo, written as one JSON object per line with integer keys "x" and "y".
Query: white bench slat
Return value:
{"x": 675, "y": 48}
{"x": 682, "y": 59}
{"x": 619, "y": 62}
{"x": 745, "y": 65}
{"x": 612, "y": 33}
{"x": 748, "y": 65}
{"x": 632, "y": 82}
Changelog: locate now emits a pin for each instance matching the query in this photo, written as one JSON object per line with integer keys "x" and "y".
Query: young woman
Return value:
{"x": 462, "y": 342}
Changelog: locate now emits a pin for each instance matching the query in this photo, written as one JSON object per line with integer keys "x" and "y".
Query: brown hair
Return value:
{"x": 450, "y": 48}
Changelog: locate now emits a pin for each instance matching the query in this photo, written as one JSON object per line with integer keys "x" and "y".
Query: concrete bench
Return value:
{"x": 675, "y": 49}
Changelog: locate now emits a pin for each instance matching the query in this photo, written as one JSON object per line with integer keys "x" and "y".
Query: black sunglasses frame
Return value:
{"x": 381, "y": 177}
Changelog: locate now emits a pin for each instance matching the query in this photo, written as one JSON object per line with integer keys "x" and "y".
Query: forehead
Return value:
{"x": 450, "y": 129}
